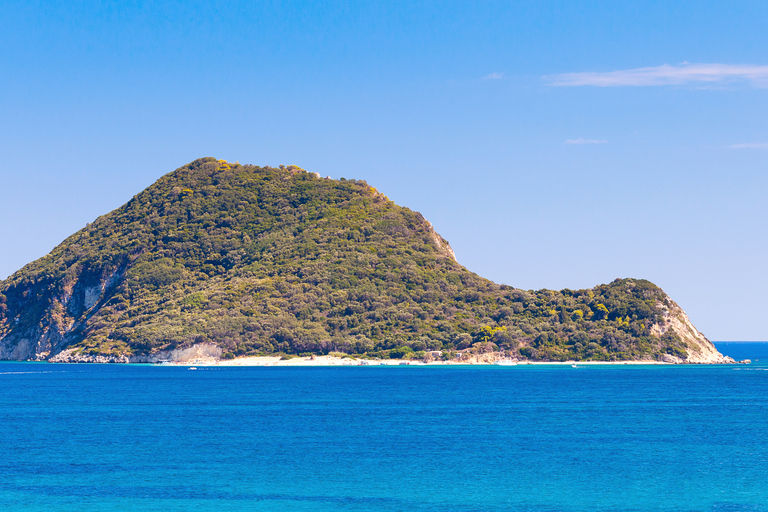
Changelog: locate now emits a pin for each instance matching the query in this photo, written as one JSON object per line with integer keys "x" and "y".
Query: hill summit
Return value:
{"x": 247, "y": 260}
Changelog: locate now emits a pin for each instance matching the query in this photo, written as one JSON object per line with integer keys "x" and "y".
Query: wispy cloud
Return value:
{"x": 685, "y": 73}
{"x": 750, "y": 145}
{"x": 493, "y": 76}
{"x": 586, "y": 141}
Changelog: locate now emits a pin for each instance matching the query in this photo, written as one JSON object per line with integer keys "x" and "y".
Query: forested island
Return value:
{"x": 261, "y": 260}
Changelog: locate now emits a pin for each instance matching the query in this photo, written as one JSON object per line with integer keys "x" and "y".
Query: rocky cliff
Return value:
{"x": 699, "y": 348}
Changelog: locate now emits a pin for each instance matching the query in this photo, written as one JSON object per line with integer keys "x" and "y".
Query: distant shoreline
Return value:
{"x": 317, "y": 361}
{"x": 345, "y": 361}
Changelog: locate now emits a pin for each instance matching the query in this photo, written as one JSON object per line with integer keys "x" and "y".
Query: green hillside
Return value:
{"x": 263, "y": 260}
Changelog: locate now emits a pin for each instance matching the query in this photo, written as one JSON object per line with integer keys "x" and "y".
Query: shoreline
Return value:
{"x": 346, "y": 361}
{"x": 268, "y": 361}
{"x": 208, "y": 354}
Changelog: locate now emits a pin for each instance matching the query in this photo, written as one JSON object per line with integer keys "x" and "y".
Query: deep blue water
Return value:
{"x": 524, "y": 438}
{"x": 743, "y": 350}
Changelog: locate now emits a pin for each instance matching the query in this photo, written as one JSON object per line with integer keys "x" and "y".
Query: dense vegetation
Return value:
{"x": 266, "y": 260}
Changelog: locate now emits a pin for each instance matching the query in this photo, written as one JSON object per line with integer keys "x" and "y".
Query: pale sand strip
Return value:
{"x": 339, "y": 361}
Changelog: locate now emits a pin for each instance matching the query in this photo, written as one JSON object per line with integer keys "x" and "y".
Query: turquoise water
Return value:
{"x": 524, "y": 438}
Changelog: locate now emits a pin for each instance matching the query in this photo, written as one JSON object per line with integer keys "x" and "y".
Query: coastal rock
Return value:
{"x": 201, "y": 353}
{"x": 700, "y": 349}
{"x": 64, "y": 314}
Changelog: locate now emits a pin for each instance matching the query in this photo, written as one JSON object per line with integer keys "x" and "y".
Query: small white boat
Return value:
{"x": 191, "y": 368}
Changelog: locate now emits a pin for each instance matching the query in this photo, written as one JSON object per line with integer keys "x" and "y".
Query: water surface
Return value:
{"x": 523, "y": 438}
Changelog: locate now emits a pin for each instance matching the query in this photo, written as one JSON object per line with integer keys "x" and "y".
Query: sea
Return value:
{"x": 386, "y": 438}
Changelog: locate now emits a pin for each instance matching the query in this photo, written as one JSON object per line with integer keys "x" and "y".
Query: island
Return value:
{"x": 235, "y": 261}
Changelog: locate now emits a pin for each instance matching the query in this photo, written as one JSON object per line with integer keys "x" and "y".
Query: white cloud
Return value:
{"x": 685, "y": 73}
{"x": 586, "y": 141}
{"x": 750, "y": 145}
{"x": 494, "y": 76}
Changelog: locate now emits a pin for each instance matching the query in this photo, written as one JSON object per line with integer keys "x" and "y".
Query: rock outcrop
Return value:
{"x": 699, "y": 348}
{"x": 200, "y": 353}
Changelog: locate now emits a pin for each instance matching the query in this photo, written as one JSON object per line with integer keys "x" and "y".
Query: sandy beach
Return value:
{"x": 348, "y": 361}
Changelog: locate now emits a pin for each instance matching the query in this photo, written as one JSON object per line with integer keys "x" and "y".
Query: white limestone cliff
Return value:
{"x": 699, "y": 348}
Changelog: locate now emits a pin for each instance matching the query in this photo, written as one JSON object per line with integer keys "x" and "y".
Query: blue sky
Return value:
{"x": 554, "y": 144}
